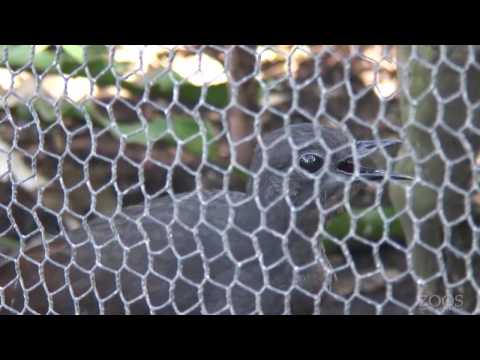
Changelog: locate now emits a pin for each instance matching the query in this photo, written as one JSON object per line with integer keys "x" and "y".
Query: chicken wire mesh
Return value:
{"x": 130, "y": 183}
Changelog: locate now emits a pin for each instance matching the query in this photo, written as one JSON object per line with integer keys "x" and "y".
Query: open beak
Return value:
{"x": 366, "y": 148}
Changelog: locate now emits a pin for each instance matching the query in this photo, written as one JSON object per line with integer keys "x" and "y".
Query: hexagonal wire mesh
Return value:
{"x": 130, "y": 182}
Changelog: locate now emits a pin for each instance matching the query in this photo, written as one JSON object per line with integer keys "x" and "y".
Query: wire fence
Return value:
{"x": 239, "y": 179}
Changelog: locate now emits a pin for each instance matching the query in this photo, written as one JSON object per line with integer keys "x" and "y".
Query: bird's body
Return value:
{"x": 202, "y": 252}
{"x": 165, "y": 271}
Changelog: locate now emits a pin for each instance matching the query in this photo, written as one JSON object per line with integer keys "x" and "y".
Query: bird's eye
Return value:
{"x": 311, "y": 162}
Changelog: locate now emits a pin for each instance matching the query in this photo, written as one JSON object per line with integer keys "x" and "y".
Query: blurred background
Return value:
{"x": 88, "y": 130}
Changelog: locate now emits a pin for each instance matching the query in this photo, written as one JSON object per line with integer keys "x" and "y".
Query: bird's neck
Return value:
{"x": 277, "y": 203}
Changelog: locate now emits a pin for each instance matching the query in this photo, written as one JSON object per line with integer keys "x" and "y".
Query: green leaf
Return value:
{"x": 339, "y": 226}
{"x": 76, "y": 59}
{"x": 162, "y": 82}
{"x": 218, "y": 96}
{"x": 45, "y": 110}
{"x": 75, "y": 51}
{"x": 98, "y": 63}
{"x": 21, "y": 55}
{"x": 189, "y": 94}
{"x": 183, "y": 128}
{"x": 370, "y": 226}
{"x": 133, "y": 133}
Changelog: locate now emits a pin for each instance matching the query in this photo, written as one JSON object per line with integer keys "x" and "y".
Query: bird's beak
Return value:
{"x": 366, "y": 148}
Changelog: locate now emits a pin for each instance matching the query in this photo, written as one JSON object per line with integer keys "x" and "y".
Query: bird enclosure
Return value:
{"x": 289, "y": 179}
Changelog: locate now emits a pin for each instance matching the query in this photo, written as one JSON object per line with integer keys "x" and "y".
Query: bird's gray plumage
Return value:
{"x": 201, "y": 252}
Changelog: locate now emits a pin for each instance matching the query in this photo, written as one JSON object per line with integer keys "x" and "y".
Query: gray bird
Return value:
{"x": 205, "y": 252}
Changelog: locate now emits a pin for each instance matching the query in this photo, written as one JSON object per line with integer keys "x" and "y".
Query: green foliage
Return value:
{"x": 94, "y": 60}
{"x": 75, "y": 51}
{"x": 217, "y": 95}
{"x": 19, "y": 56}
{"x": 370, "y": 226}
{"x": 183, "y": 128}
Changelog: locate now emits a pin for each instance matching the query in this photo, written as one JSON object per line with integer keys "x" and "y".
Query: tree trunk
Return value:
{"x": 241, "y": 66}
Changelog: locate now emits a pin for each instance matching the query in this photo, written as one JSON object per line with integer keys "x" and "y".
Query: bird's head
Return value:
{"x": 304, "y": 162}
